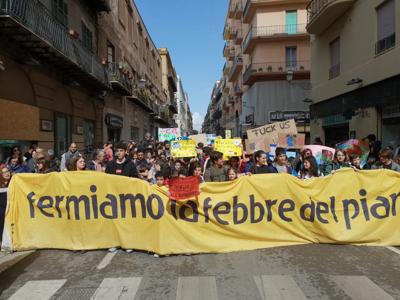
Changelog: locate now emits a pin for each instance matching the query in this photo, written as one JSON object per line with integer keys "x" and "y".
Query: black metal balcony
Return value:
{"x": 98, "y": 5}
{"x": 32, "y": 26}
{"x": 120, "y": 82}
{"x": 173, "y": 106}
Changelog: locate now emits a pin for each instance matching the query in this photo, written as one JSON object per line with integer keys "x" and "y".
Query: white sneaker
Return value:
{"x": 128, "y": 250}
{"x": 156, "y": 255}
{"x": 112, "y": 250}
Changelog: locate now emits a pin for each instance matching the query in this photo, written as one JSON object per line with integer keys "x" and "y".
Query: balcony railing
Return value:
{"x": 237, "y": 63}
{"x": 315, "y": 7}
{"x": 273, "y": 31}
{"x": 37, "y": 19}
{"x": 119, "y": 80}
{"x": 385, "y": 44}
{"x": 238, "y": 9}
{"x": 274, "y": 68}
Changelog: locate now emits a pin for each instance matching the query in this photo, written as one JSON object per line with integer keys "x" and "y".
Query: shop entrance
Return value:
{"x": 336, "y": 133}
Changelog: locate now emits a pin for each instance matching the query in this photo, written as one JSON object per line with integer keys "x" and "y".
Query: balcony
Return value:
{"x": 173, "y": 106}
{"x": 119, "y": 81}
{"x": 252, "y": 6}
{"x": 226, "y": 70}
{"x": 228, "y": 32}
{"x": 270, "y": 71}
{"x": 141, "y": 97}
{"x": 238, "y": 36}
{"x": 229, "y": 51}
{"x": 99, "y": 5}
{"x": 231, "y": 9}
{"x": 322, "y": 13}
{"x": 385, "y": 44}
{"x": 32, "y": 26}
{"x": 238, "y": 10}
{"x": 273, "y": 33}
{"x": 236, "y": 69}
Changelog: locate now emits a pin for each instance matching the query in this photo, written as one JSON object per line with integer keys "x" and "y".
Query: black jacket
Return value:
{"x": 127, "y": 168}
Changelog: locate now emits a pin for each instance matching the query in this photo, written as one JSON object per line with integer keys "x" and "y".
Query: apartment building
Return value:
{"x": 355, "y": 69}
{"x": 267, "y": 68}
{"x": 137, "y": 102}
{"x": 212, "y": 119}
{"x": 169, "y": 84}
{"x": 51, "y": 77}
{"x": 82, "y": 71}
{"x": 184, "y": 119}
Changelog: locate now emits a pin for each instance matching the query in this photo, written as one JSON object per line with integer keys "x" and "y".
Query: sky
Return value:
{"x": 192, "y": 32}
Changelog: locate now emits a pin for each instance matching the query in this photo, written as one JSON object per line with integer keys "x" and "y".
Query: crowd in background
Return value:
{"x": 151, "y": 160}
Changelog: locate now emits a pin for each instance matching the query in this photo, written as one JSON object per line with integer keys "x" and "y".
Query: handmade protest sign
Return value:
{"x": 358, "y": 147}
{"x": 272, "y": 130}
{"x": 211, "y": 139}
{"x": 228, "y": 134}
{"x": 258, "y": 144}
{"x": 168, "y": 134}
{"x": 229, "y": 147}
{"x": 322, "y": 154}
{"x": 199, "y": 138}
{"x": 184, "y": 188}
{"x": 292, "y": 141}
{"x": 183, "y": 148}
{"x": 92, "y": 210}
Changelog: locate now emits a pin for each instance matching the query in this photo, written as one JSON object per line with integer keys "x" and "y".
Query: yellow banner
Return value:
{"x": 82, "y": 210}
{"x": 184, "y": 148}
{"x": 229, "y": 147}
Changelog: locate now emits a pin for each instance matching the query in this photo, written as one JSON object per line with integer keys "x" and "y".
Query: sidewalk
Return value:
{"x": 7, "y": 260}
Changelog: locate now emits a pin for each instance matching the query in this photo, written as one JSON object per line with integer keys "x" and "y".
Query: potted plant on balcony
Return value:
{"x": 302, "y": 68}
{"x": 280, "y": 69}
{"x": 269, "y": 68}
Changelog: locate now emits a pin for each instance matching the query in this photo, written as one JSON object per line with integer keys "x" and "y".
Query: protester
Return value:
{"x": 16, "y": 164}
{"x": 76, "y": 164}
{"x": 280, "y": 164}
{"x": 217, "y": 172}
{"x": 143, "y": 171}
{"x": 309, "y": 168}
{"x": 108, "y": 152}
{"x": 97, "y": 163}
{"x": 231, "y": 174}
{"x": 5, "y": 177}
{"x": 69, "y": 155}
{"x": 355, "y": 161}
{"x": 340, "y": 160}
{"x": 198, "y": 172}
{"x": 305, "y": 153}
{"x": 28, "y": 154}
{"x": 386, "y": 161}
{"x": 54, "y": 162}
{"x": 260, "y": 165}
{"x": 121, "y": 165}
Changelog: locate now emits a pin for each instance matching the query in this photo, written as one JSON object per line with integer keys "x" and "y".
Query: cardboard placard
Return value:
{"x": 291, "y": 141}
{"x": 253, "y": 146}
{"x": 272, "y": 130}
{"x": 199, "y": 138}
{"x": 180, "y": 149}
{"x": 168, "y": 134}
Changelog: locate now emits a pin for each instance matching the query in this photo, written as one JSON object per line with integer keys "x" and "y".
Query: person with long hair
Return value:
{"x": 231, "y": 174}
{"x": 77, "y": 164}
{"x": 260, "y": 165}
{"x": 340, "y": 160}
{"x": 16, "y": 164}
{"x": 309, "y": 168}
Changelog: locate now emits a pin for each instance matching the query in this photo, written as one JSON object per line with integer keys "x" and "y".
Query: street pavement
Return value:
{"x": 296, "y": 272}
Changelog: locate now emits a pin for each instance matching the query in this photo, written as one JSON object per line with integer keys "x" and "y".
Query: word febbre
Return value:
{"x": 287, "y": 127}
{"x": 82, "y": 210}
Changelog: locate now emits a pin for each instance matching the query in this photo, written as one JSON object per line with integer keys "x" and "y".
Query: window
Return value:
{"x": 87, "y": 37}
{"x": 334, "y": 70}
{"x": 386, "y": 20}
{"x": 110, "y": 53}
{"x": 60, "y": 11}
{"x": 291, "y": 21}
{"x": 291, "y": 58}
{"x": 134, "y": 133}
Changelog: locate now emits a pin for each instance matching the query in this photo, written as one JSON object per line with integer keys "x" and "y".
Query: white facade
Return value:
{"x": 184, "y": 116}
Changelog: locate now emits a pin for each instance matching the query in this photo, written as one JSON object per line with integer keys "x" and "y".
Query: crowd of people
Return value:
{"x": 151, "y": 161}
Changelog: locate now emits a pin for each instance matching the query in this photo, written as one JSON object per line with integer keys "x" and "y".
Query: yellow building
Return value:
{"x": 355, "y": 69}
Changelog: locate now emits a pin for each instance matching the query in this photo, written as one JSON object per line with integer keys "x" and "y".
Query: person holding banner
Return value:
{"x": 121, "y": 165}
{"x": 340, "y": 160}
{"x": 280, "y": 165}
{"x": 260, "y": 166}
{"x": 309, "y": 168}
{"x": 5, "y": 179}
{"x": 386, "y": 161}
{"x": 231, "y": 174}
{"x": 217, "y": 172}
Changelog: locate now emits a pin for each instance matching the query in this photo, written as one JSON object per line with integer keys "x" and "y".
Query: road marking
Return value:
{"x": 394, "y": 249}
{"x": 117, "y": 288}
{"x": 106, "y": 260}
{"x": 278, "y": 287}
{"x": 38, "y": 290}
{"x": 361, "y": 287}
{"x": 197, "y": 288}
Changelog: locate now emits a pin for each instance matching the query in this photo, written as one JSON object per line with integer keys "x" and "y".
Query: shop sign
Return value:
{"x": 298, "y": 116}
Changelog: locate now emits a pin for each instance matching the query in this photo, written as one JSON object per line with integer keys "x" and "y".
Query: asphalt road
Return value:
{"x": 296, "y": 272}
